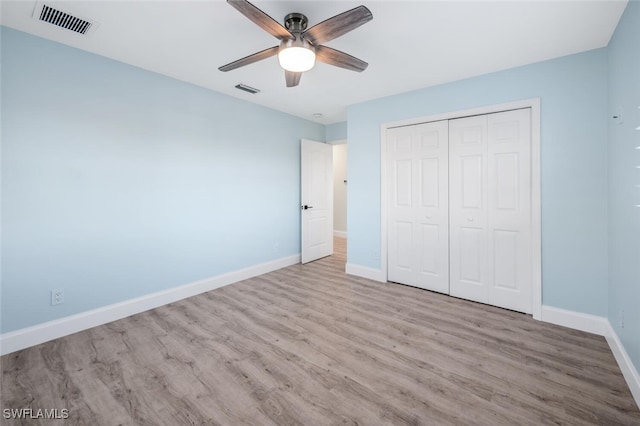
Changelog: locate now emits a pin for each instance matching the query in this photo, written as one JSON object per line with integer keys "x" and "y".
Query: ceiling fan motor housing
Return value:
{"x": 295, "y": 22}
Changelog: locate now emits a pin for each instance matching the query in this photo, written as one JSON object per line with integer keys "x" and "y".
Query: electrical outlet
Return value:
{"x": 375, "y": 255}
{"x": 57, "y": 296}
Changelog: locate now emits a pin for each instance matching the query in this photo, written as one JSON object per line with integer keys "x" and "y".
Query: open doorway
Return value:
{"x": 340, "y": 197}
{"x": 340, "y": 190}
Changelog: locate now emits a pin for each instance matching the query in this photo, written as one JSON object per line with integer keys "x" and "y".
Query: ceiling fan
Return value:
{"x": 300, "y": 47}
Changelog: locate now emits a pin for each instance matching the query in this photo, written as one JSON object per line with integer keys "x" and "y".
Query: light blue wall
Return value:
{"x": 624, "y": 178}
{"x": 118, "y": 182}
{"x": 573, "y": 92}
{"x": 336, "y": 131}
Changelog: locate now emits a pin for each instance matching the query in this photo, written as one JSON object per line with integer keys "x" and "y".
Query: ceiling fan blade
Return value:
{"x": 263, "y": 54}
{"x": 293, "y": 78}
{"x": 338, "y": 25}
{"x": 340, "y": 59}
{"x": 261, "y": 19}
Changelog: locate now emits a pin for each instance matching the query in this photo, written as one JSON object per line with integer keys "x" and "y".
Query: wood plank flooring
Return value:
{"x": 309, "y": 345}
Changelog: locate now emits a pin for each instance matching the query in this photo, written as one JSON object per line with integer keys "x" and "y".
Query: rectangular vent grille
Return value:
{"x": 64, "y": 20}
{"x": 246, "y": 88}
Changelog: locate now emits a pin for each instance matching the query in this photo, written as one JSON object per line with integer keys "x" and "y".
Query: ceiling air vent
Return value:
{"x": 246, "y": 88}
{"x": 62, "y": 19}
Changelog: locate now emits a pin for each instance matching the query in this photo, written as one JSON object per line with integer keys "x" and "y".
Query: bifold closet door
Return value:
{"x": 490, "y": 209}
{"x": 418, "y": 234}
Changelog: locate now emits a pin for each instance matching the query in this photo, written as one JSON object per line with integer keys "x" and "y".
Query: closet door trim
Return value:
{"x": 536, "y": 255}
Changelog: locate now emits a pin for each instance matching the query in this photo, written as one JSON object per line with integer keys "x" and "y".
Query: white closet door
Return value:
{"x": 509, "y": 227}
{"x": 418, "y": 246}
{"x": 468, "y": 208}
{"x": 490, "y": 209}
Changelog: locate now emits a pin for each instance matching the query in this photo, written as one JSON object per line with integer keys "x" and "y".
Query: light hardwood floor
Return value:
{"x": 310, "y": 345}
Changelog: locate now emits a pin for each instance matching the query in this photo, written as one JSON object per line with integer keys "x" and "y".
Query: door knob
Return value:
{"x": 306, "y": 207}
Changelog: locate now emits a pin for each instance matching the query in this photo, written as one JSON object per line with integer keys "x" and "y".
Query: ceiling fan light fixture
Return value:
{"x": 300, "y": 47}
{"x": 296, "y": 55}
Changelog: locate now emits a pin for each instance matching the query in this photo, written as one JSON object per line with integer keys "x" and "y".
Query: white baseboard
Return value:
{"x": 340, "y": 234}
{"x": 601, "y": 326}
{"x": 576, "y": 320}
{"x": 629, "y": 371}
{"x": 365, "y": 272}
{"x": 34, "y": 335}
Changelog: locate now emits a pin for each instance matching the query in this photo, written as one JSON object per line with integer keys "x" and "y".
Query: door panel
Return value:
{"x": 505, "y": 255}
{"x": 401, "y": 227}
{"x": 418, "y": 216}
{"x": 490, "y": 225}
{"x": 403, "y": 186}
{"x": 472, "y": 181}
{"x": 317, "y": 194}
{"x": 429, "y": 182}
{"x": 506, "y": 180}
{"x": 430, "y": 242}
{"x": 404, "y": 246}
{"x": 468, "y": 219}
{"x": 509, "y": 174}
{"x": 471, "y": 255}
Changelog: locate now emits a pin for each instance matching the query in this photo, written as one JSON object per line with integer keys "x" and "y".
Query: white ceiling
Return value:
{"x": 408, "y": 45}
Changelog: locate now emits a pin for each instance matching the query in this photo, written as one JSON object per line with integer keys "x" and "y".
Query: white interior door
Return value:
{"x": 418, "y": 246}
{"x": 490, "y": 209}
{"x": 316, "y": 198}
{"x": 509, "y": 227}
{"x": 468, "y": 212}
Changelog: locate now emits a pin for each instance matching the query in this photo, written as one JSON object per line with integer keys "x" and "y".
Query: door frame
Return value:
{"x": 536, "y": 236}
